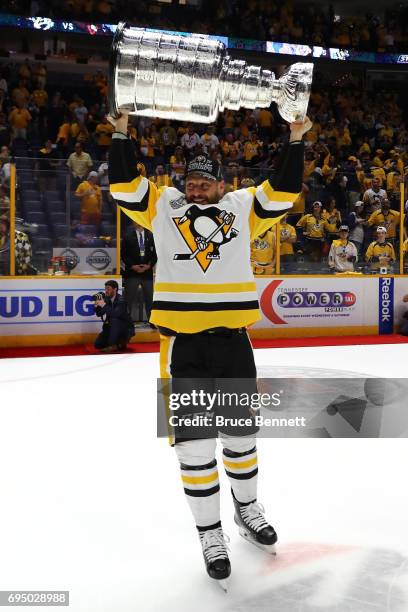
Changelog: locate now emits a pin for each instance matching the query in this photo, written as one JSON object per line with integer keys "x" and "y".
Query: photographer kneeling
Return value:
{"x": 117, "y": 327}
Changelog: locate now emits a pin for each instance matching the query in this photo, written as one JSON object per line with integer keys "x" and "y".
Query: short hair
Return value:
{"x": 113, "y": 284}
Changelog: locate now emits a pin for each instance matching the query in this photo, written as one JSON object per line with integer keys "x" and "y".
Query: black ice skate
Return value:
{"x": 213, "y": 542}
{"x": 253, "y": 526}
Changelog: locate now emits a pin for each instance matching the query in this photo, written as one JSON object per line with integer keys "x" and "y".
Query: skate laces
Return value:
{"x": 253, "y": 515}
{"x": 214, "y": 544}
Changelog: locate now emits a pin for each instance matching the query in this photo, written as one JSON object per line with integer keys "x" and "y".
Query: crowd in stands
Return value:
{"x": 356, "y": 157}
{"x": 292, "y": 22}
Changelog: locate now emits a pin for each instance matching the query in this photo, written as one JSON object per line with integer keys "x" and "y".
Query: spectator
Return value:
{"x": 353, "y": 172}
{"x": 139, "y": 257}
{"x": 386, "y": 218}
{"x": 103, "y": 178}
{"x": 168, "y": 138}
{"x": 263, "y": 253}
{"x": 231, "y": 148}
{"x": 40, "y": 98}
{"x": 287, "y": 240}
{"x": 356, "y": 222}
{"x": 23, "y": 252}
{"x": 252, "y": 150}
{"x": 20, "y": 94}
{"x": 265, "y": 123}
{"x": 40, "y": 75}
{"x": 178, "y": 167}
{"x": 64, "y": 133}
{"x": 81, "y": 112}
{"x": 333, "y": 219}
{"x": 148, "y": 144}
{"x": 91, "y": 200}
{"x": 103, "y": 133}
{"x": 19, "y": 119}
{"x": 380, "y": 254}
{"x": 79, "y": 164}
{"x": 374, "y": 195}
{"x": 209, "y": 140}
{"x": 5, "y": 166}
{"x": 161, "y": 178}
{"x": 314, "y": 232}
{"x": 343, "y": 253}
{"x": 47, "y": 166}
{"x": 117, "y": 328}
{"x": 4, "y": 202}
{"x": 189, "y": 141}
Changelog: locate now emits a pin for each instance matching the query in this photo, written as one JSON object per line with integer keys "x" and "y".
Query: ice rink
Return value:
{"x": 91, "y": 501}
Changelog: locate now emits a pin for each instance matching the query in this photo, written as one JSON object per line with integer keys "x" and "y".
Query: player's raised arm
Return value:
{"x": 135, "y": 195}
{"x": 273, "y": 200}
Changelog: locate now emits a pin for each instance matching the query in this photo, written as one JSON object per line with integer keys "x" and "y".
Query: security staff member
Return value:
{"x": 139, "y": 257}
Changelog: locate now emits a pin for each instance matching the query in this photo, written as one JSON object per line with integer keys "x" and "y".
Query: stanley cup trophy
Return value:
{"x": 191, "y": 78}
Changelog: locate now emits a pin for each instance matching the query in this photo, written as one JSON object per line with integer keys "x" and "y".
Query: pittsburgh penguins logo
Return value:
{"x": 204, "y": 231}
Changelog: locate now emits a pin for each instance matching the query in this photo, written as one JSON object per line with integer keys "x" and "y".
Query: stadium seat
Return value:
{"x": 55, "y": 206}
{"x": 51, "y": 195}
{"x": 35, "y": 217}
{"x": 41, "y": 243}
{"x": 33, "y": 206}
{"x": 60, "y": 230}
{"x": 108, "y": 229}
{"x": 57, "y": 218}
{"x": 43, "y": 231}
{"x": 31, "y": 194}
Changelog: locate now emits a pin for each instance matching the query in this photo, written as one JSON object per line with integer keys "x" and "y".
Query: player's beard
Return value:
{"x": 213, "y": 199}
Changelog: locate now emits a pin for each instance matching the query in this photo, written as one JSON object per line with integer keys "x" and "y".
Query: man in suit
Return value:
{"x": 117, "y": 327}
{"x": 139, "y": 257}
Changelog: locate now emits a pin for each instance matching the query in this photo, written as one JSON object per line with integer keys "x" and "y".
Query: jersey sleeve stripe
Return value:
{"x": 266, "y": 193}
{"x": 132, "y": 191}
{"x": 136, "y": 205}
{"x": 263, "y": 213}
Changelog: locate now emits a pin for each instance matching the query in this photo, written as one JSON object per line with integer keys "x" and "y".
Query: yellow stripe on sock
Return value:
{"x": 241, "y": 465}
{"x": 200, "y": 479}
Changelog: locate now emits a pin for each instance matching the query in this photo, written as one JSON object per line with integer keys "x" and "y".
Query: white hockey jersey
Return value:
{"x": 203, "y": 277}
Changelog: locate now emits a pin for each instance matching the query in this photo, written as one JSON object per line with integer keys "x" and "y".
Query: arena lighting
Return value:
{"x": 108, "y": 29}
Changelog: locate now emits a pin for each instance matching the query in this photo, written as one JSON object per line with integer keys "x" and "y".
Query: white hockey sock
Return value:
{"x": 241, "y": 467}
{"x": 202, "y": 489}
{"x": 199, "y": 475}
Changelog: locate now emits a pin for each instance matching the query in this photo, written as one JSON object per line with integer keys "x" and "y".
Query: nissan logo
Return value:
{"x": 98, "y": 259}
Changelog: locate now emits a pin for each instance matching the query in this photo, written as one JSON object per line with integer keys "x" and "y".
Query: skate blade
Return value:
{"x": 270, "y": 549}
{"x": 223, "y": 585}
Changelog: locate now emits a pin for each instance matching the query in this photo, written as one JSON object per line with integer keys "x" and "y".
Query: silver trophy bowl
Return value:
{"x": 191, "y": 78}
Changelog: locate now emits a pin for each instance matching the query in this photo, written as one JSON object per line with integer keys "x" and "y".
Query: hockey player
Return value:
{"x": 204, "y": 298}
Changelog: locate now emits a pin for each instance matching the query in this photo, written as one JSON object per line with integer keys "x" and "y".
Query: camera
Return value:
{"x": 98, "y": 296}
